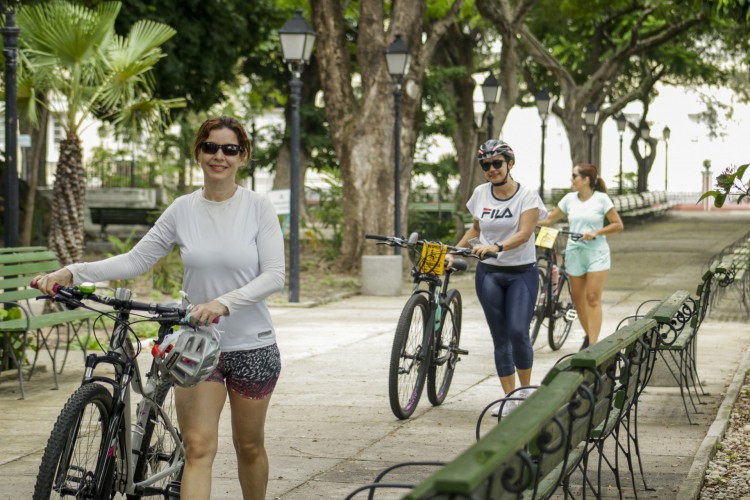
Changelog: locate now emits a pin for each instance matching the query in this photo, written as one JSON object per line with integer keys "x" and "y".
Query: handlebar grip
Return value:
{"x": 490, "y": 255}
{"x": 371, "y": 236}
{"x": 215, "y": 321}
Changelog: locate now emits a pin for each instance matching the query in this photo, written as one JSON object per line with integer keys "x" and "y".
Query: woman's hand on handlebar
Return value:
{"x": 205, "y": 314}
{"x": 588, "y": 236}
{"x": 482, "y": 251}
{"x": 46, "y": 282}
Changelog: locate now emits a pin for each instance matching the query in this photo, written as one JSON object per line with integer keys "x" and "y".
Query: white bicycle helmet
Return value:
{"x": 191, "y": 357}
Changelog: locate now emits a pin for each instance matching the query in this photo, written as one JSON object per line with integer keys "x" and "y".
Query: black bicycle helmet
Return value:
{"x": 494, "y": 147}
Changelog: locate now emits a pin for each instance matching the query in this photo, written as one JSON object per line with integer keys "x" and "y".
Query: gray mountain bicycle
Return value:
{"x": 95, "y": 451}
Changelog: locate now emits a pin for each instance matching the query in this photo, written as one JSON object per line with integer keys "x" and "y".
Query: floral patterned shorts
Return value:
{"x": 251, "y": 374}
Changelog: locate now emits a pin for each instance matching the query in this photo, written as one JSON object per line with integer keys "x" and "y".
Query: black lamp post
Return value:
{"x": 490, "y": 91}
{"x": 10, "y": 51}
{"x": 542, "y": 105}
{"x": 589, "y": 116}
{"x": 621, "y": 124}
{"x": 397, "y": 59}
{"x": 666, "y": 133}
{"x": 253, "y": 164}
{"x": 297, "y": 40}
{"x": 645, "y": 132}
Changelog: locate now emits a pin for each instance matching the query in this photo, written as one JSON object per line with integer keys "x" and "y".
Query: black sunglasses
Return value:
{"x": 494, "y": 163}
{"x": 211, "y": 148}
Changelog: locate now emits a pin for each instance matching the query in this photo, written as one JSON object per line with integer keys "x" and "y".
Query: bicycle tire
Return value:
{"x": 408, "y": 368}
{"x": 561, "y": 320}
{"x": 540, "y": 310}
{"x": 158, "y": 447}
{"x": 66, "y": 469}
{"x": 444, "y": 350}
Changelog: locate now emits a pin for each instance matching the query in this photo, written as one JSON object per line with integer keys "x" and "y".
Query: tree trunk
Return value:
{"x": 362, "y": 128}
{"x": 68, "y": 195}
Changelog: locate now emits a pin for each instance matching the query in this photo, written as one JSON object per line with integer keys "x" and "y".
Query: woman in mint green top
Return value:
{"x": 587, "y": 260}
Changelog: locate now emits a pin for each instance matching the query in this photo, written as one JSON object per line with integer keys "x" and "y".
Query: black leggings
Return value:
{"x": 508, "y": 302}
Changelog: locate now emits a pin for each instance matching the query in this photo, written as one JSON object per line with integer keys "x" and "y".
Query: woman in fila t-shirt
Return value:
{"x": 587, "y": 260}
{"x": 505, "y": 215}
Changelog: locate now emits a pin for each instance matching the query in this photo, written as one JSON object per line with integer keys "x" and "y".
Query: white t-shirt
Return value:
{"x": 586, "y": 216}
{"x": 232, "y": 251}
{"x": 499, "y": 219}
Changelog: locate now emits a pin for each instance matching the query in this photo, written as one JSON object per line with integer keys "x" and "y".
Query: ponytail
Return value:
{"x": 590, "y": 171}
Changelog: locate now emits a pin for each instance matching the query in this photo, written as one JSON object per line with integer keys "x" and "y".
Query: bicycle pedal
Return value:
{"x": 462, "y": 352}
{"x": 571, "y": 315}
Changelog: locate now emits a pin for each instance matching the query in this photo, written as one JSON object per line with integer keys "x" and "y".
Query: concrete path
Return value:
{"x": 330, "y": 428}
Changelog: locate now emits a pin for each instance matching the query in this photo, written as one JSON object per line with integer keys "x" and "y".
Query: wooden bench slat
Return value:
{"x": 665, "y": 310}
{"x": 29, "y": 269}
{"x": 607, "y": 348}
{"x": 14, "y": 258}
{"x": 18, "y": 295}
{"x": 470, "y": 469}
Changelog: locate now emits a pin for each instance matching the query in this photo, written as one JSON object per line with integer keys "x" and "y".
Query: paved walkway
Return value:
{"x": 330, "y": 428}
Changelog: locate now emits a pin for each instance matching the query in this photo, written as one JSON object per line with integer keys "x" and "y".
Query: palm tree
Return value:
{"x": 85, "y": 69}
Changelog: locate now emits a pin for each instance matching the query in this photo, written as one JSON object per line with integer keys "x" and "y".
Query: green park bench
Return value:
{"x": 537, "y": 448}
{"x": 129, "y": 216}
{"x": 679, "y": 317}
{"x": 48, "y": 329}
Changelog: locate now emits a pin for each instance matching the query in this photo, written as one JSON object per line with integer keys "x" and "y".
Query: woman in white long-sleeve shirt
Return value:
{"x": 232, "y": 249}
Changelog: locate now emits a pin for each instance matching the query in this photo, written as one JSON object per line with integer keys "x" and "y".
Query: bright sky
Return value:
{"x": 689, "y": 144}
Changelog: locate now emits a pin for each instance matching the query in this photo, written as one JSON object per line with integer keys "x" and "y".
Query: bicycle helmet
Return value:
{"x": 494, "y": 147}
{"x": 191, "y": 357}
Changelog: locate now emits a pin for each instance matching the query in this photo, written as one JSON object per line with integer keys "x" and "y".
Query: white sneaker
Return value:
{"x": 525, "y": 393}
{"x": 504, "y": 408}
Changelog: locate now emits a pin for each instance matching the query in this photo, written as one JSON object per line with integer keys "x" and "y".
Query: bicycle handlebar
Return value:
{"x": 74, "y": 295}
{"x": 573, "y": 236}
{"x": 393, "y": 241}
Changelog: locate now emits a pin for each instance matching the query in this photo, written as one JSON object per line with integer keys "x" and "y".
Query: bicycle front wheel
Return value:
{"x": 161, "y": 450}
{"x": 407, "y": 372}
{"x": 445, "y": 350}
{"x": 563, "y": 315}
{"x": 540, "y": 311}
{"x": 69, "y": 462}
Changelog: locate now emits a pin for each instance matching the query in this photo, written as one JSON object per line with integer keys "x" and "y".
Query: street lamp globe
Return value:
{"x": 622, "y": 123}
{"x": 589, "y": 116}
{"x": 645, "y": 131}
{"x": 666, "y": 133}
{"x": 490, "y": 89}
{"x": 542, "y": 100}
{"x": 397, "y": 58}
{"x": 297, "y": 40}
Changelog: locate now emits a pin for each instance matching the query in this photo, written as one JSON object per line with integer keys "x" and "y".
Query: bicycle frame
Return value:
{"x": 436, "y": 293}
{"x": 120, "y": 431}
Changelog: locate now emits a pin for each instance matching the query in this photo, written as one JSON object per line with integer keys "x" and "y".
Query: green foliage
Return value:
{"x": 16, "y": 344}
{"x": 204, "y": 55}
{"x": 74, "y": 50}
{"x": 166, "y": 275}
{"x": 326, "y": 227}
{"x": 729, "y": 184}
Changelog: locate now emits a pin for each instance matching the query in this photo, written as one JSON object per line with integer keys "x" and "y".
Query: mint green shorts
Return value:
{"x": 582, "y": 260}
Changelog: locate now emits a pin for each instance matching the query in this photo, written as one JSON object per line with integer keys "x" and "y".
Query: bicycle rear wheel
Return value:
{"x": 161, "y": 448}
{"x": 563, "y": 315}
{"x": 69, "y": 461}
{"x": 539, "y": 317}
{"x": 408, "y": 368}
{"x": 445, "y": 353}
